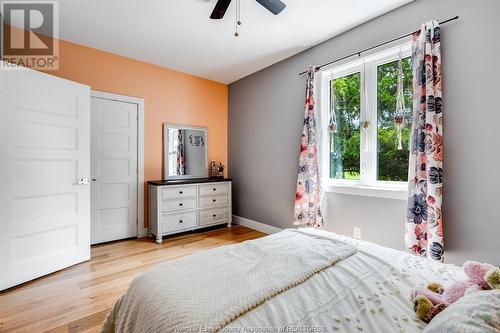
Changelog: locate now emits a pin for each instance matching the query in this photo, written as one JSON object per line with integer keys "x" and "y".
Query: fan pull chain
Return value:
{"x": 238, "y": 17}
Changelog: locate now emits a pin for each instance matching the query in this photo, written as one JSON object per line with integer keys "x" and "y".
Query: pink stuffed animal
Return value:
{"x": 429, "y": 301}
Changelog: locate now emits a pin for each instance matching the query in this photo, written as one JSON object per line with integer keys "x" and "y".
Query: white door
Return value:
{"x": 44, "y": 152}
{"x": 114, "y": 170}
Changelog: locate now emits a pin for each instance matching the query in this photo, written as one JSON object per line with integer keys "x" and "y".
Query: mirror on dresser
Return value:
{"x": 186, "y": 198}
{"x": 185, "y": 152}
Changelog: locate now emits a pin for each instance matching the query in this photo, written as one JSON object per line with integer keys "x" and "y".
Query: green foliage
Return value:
{"x": 351, "y": 154}
{"x": 392, "y": 163}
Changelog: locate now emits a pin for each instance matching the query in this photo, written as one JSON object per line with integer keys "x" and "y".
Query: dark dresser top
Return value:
{"x": 188, "y": 181}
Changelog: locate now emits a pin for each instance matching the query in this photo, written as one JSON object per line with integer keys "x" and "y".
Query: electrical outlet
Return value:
{"x": 357, "y": 233}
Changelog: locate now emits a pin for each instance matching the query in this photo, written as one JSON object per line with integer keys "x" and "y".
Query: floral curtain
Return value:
{"x": 180, "y": 165}
{"x": 424, "y": 222}
{"x": 308, "y": 194}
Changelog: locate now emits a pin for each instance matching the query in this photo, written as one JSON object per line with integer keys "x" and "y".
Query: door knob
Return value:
{"x": 83, "y": 181}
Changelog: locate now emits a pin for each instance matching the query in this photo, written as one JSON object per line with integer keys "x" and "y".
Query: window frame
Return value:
{"x": 367, "y": 66}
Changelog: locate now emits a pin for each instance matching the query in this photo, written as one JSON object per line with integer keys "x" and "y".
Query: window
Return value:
{"x": 344, "y": 143}
{"x": 360, "y": 144}
{"x": 392, "y": 162}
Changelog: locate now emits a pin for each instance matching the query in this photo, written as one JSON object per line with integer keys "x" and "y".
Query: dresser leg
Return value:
{"x": 229, "y": 224}
{"x": 159, "y": 240}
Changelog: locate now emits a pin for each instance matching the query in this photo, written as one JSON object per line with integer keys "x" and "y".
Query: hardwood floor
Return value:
{"x": 77, "y": 299}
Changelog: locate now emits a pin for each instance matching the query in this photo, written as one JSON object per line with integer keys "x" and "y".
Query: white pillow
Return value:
{"x": 478, "y": 312}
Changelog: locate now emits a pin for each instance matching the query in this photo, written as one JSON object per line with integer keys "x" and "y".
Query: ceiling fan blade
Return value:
{"x": 220, "y": 9}
{"x": 274, "y": 6}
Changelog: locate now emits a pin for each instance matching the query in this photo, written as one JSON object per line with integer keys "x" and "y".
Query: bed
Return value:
{"x": 298, "y": 288}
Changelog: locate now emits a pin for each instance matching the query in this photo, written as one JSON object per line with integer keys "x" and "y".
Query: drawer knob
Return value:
{"x": 214, "y": 200}
{"x": 215, "y": 215}
{"x": 214, "y": 189}
{"x": 180, "y": 221}
{"x": 181, "y": 204}
{"x": 180, "y": 192}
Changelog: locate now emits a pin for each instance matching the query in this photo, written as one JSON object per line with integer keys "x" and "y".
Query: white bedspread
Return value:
{"x": 207, "y": 290}
{"x": 365, "y": 293}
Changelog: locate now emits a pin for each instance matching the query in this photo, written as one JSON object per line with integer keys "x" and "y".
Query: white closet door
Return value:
{"x": 44, "y": 153}
{"x": 114, "y": 170}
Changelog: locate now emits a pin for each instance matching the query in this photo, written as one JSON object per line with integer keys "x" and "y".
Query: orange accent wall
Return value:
{"x": 169, "y": 96}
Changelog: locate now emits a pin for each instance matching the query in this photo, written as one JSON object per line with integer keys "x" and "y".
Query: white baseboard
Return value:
{"x": 265, "y": 228}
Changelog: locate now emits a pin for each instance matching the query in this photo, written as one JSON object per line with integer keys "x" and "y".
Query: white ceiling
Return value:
{"x": 178, "y": 34}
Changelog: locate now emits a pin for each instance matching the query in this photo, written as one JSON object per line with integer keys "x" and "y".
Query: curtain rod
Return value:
{"x": 374, "y": 47}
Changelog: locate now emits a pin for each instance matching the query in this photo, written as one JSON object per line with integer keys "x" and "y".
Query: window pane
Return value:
{"x": 344, "y": 143}
{"x": 392, "y": 162}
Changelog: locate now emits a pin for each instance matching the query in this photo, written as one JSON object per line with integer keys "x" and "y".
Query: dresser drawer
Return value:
{"x": 179, "y": 192}
{"x": 173, "y": 222}
{"x": 213, "y": 200}
{"x": 177, "y": 204}
{"x": 214, "y": 215}
{"x": 214, "y": 189}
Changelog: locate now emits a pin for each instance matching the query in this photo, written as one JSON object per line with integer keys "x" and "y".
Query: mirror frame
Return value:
{"x": 165, "y": 151}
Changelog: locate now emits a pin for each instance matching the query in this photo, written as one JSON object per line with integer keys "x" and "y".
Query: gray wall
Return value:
{"x": 265, "y": 120}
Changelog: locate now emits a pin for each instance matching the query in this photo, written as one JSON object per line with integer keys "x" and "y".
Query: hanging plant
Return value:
{"x": 399, "y": 115}
{"x": 365, "y": 124}
{"x": 399, "y": 122}
{"x": 332, "y": 128}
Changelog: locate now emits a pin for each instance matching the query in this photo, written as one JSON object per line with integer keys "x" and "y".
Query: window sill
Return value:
{"x": 389, "y": 192}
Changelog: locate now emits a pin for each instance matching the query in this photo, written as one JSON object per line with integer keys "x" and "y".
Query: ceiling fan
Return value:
{"x": 274, "y": 6}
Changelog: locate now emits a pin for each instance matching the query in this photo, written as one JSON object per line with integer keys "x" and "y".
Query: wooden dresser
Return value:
{"x": 183, "y": 205}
